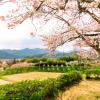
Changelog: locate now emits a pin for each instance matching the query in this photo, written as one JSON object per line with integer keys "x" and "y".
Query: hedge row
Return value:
{"x": 51, "y": 63}
{"x": 38, "y": 90}
{"x": 63, "y": 69}
{"x": 93, "y": 74}
{"x": 33, "y": 60}
{"x": 68, "y": 58}
{"x": 60, "y": 68}
{"x": 17, "y": 70}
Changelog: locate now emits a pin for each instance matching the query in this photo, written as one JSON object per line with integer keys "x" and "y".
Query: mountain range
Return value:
{"x": 37, "y": 52}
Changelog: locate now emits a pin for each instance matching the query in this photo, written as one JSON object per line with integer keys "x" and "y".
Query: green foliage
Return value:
{"x": 51, "y": 63}
{"x": 60, "y": 66}
{"x": 68, "y": 79}
{"x": 36, "y": 60}
{"x": 38, "y": 90}
{"x": 43, "y": 59}
{"x": 23, "y": 60}
{"x": 43, "y": 67}
{"x": 33, "y": 60}
{"x": 68, "y": 58}
{"x": 93, "y": 74}
{"x": 17, "y": 70}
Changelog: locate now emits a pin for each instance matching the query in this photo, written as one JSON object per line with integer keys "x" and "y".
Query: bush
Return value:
{"x": 38, "y": 90}
{"x": 60, "y": 66}
{"x": 68, "y": 58}
{"x": 68, "y": 79}
{"x": 47, "y": 67}
{"x": 43, "y": 59}
{"x": 92, "y": 74}
{"x": 17, "y": 70}
{"x": 22, "y": 60}
{"x": 30, "y": 60}
{"x": 51, "y": 63}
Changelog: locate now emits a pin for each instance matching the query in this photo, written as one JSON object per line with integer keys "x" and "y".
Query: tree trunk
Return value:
{"x": 98, "y": 50}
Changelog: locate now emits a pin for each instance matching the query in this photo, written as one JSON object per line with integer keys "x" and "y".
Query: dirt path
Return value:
{"x": 30, "y": 76}
{"x": 4, "y": 82}
{"x": 85, "y": 90}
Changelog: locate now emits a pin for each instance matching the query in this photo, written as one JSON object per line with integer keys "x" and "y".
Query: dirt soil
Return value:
{"x": 85, "y": 90}
{"x": 30, "y": 76}
{"x": 4, "y": 82}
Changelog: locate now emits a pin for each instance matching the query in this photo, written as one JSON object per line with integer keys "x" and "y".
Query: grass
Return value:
{"x": 38, "y": 90}
{"x": 83, "y": 69}
{"x": 17, "y": 70}
{"x": 92, "y": 74}
{"x": 60, "y": 69}
{"x": 30, "y": 76}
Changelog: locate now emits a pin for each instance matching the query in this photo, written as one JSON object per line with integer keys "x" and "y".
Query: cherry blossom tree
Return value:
{"x": 75, "y": 20}
{"x": 81, "y": 23}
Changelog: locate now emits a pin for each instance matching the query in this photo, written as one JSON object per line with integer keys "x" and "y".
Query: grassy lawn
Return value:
{"x": 30, "y": 76}
{"x": 85, "y": 90}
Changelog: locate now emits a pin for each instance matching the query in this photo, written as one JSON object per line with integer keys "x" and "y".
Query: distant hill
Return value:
{"x": 56, "y": 55}
{"x": 37, "y": 52}
{"x": 7, "y": 53}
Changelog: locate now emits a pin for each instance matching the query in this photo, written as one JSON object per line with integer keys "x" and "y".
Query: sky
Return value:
{"x": 20, "y": 38}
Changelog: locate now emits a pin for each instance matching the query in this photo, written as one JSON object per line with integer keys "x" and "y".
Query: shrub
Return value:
{"x": 43, "y": 59}
{"x": 38, "y": 90}
{"x": 51, "y": 63}
{"x": 17, "y": 70}
{"x": 22, "y": 60}
{"x": 46, "y": 67}
{"x": 92, "y": 74}
{"x": 68, "y": 58}
{"x": 68, "y": 79}
{"x": 30, "y": 60}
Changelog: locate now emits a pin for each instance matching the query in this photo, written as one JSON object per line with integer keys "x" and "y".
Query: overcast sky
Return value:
{"x": 19, "y": 37}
